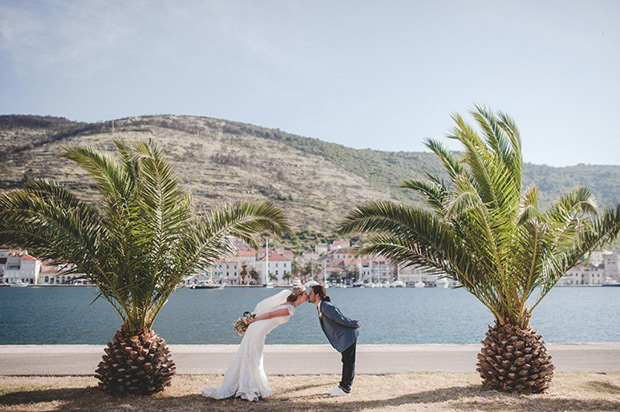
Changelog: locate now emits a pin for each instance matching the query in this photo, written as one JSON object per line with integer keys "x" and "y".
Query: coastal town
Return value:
{"x": 334, "y": 264}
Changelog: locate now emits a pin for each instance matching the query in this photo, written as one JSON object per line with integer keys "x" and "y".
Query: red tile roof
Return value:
{"x": 276, "y": 257}
{"x": 246, "y": 253}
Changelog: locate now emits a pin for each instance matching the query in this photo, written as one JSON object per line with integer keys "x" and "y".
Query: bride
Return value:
{"x": 245, "y": 377}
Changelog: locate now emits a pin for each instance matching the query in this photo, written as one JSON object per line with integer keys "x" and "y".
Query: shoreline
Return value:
{"x": 304, "y": 359}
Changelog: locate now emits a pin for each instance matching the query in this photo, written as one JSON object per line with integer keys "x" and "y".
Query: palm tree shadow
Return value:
{"x": 475, "y": 397}
{"x": 49, "y": 395}
{"x": 605, "y": 387}
{"x": 464, "y": 398}
{"x": 302, "y": 387}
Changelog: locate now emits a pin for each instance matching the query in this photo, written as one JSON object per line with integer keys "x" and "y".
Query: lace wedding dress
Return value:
{"x": 245, "y": 376}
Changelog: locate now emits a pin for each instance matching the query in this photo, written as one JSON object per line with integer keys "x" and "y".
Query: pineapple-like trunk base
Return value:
{"x": 514, "y": 360}
{"x": 136, "y": 362}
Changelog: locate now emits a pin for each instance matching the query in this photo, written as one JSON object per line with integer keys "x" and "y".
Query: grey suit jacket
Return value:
{"x": 341, "y": 331}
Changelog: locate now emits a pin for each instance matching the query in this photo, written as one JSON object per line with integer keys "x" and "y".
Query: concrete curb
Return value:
{"x": 303, "y": 359}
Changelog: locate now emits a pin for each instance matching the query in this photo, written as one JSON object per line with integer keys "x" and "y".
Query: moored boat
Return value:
{"x": 442, "y": 283}
{"x": 206, "y": 285}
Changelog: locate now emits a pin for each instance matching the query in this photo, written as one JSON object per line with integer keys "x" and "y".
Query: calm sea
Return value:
{"x": 65, "y": 315}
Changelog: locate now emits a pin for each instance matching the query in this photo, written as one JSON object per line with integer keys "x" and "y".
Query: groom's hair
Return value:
{"x": 320, "y": 290}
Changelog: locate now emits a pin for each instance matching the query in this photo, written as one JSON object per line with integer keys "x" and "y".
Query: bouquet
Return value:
{"x": 240, "y": 326}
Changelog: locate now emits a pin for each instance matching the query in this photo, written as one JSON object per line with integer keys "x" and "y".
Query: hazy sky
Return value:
{"x": 379, "y": 74}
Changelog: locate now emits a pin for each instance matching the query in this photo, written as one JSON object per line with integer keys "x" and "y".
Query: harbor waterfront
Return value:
{"x": 65, "y": 315}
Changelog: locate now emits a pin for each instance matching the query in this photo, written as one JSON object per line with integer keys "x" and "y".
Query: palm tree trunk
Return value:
{"x": 514, "y": 360}
{"x": 136, "y": 362}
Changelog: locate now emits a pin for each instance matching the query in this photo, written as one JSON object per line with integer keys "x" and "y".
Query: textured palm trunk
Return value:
{"x": 514, "y": 360}
{"x": 136, "y": 363}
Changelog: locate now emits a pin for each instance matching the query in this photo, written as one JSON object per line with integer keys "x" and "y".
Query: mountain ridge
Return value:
{"x": 221, "y": 161}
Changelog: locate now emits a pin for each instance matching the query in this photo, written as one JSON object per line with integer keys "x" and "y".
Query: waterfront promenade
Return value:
{"x": 304, "y": 359}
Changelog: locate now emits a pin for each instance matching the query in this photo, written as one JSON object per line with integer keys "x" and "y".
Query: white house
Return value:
{"x": 248, "y": 257}
{"x": 594, "y": 275}
{"x": 376, "y": 270}
{"x": 340, "y": 244}
{"x": 308, "y": 256}
{"x": 228, "y": 270}
{"x": 57, "y": 275}
{"x": 20, "y": 267}
{"x": 573, "y": 276}
{"x": 321, "y": 248}
{"x": 278, "y": 266}
{"x": 338, "y": 255}
{"x": 584, "y": 273}
{"x": 597, "y": 257}
{"x": 612, "y": 266}
{"x": 4, "y": 253}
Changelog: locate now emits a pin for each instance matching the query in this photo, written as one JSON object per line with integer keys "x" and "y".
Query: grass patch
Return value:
{"x": 403, "y": 392}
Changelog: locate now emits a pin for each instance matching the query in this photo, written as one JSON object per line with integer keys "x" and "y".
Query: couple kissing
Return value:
{"x": 245, "y": 377}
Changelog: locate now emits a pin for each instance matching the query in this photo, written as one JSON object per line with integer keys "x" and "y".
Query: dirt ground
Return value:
{"x": 403, "y": 392}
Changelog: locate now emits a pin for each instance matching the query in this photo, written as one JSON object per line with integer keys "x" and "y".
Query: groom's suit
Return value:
{"x": 342, "y": 333}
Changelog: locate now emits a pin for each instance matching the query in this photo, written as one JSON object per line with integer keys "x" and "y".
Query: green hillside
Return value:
{"x": 221, "y": 161}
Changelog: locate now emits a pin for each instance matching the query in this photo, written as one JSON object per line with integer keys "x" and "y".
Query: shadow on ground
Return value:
{"x": 461, "y": 398}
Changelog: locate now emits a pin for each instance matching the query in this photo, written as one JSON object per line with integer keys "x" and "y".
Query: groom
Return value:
{"x": 341, "y": 332}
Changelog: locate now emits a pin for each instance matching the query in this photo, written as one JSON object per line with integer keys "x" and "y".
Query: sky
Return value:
{"x": 378, "y": 74}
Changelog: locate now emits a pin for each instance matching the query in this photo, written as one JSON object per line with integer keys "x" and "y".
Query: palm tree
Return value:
{"x": 484, "y": 231}
{"x": 135, "y": 243}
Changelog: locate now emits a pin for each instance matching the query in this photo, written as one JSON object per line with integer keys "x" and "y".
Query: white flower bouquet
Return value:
{"x": 240, "y": 325}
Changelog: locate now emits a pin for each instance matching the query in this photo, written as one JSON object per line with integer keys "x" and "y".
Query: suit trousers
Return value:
{"x": 348, "y": 368}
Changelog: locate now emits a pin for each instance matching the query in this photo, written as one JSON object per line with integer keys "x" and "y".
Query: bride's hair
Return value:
{"x": 297, "y": 290}
{"x": 320, "y": 290}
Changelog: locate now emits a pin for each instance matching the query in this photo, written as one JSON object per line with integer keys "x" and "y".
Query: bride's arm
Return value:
{"x": 269, "y": 315}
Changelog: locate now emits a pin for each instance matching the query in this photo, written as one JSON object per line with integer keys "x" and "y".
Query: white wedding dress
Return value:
{"x": 245, "y": 377}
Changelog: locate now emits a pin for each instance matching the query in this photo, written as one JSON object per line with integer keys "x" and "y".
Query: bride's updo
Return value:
{"x": 297, "y": 290}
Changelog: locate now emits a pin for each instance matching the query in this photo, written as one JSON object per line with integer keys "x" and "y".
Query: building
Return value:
{"x": 612, "y": 266}
{"x": 584, "y": 274}
{"x": 340, "y": 244}
{"x": 593, "y": 275}
{"x": 321, "y": 248}
{"x": 228, "y": 271}
{"x": 338, "y": 255}
{"x": 248, "y": 258}
{"x": 376, "y": 270}
{"x": 52, "y": 274}
{"x": 308, "y": 256}
{"x": 20, "y": 267}
{"x": 4, "y": 253}
{"x": 278, "y": 266}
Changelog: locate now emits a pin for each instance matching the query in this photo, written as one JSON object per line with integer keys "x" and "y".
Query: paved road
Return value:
{"x": 302, "y": 359}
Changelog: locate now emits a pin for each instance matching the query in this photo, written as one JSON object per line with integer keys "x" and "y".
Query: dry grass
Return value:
{"x": 411, "y": 392}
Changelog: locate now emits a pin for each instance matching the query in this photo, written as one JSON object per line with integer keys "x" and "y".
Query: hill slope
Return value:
{"x": 315, "y": 182}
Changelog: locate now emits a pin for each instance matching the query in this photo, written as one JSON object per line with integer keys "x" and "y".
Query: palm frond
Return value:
{"x": 144, "y": 238}
{"x": 484, "y": 231}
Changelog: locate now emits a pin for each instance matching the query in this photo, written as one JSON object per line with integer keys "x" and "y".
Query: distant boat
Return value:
{"x": 206, "y": 285}
{"x": 611, "y": 284}
{"x": 269, "y": 285}
{"x": 418, "y": 284}
{"x": 296, "y": 282}
{"x": 397, "y": 284}
{"x": 442, "y": 283}
{"x": 358, "y": 285}
{"x": 19, "y": 284}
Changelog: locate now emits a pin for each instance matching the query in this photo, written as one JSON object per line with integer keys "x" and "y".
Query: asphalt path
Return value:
{"x": 303, "y": 359}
